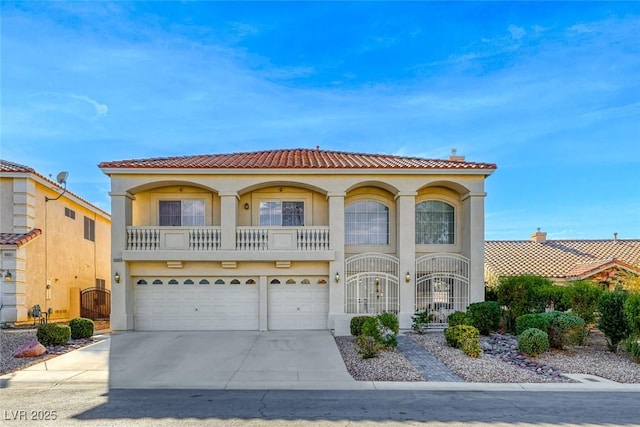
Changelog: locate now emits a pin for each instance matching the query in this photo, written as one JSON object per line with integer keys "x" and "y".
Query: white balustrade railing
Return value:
{"x": 150, "y": 238}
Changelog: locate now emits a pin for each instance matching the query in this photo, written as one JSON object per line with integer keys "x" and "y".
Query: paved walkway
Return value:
{"x": 426, "y": 363}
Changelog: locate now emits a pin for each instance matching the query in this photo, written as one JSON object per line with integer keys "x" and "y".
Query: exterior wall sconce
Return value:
{"x": 407, "y": 277}
{"x": 8, "y": 277}
{"x": 246, "y": 206}
{"x": 116, "y": 277}
{"x": 337, "y": 277}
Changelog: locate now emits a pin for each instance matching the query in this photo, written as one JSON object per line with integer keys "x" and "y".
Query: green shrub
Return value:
{"x": 582, "y": 298}
{"x": 533, "y": 341}
{"x": 81, "y": 328}
{"x": 455, "y": 335}
{"x": 368, "y": 347}
{"x": 53, "y": 334}
{"x": 533, "y": 320}
{"x": 389, "y": 327}
{"x": 370, "y": 328}
{"x": 490, "y": 293}
{"x": 471, "y": 346}
{"x": 356, "y": 325}
{"x": 485, "y": 316}
{"x": 458, "y": 318}
{"x": 564, "y": 329}
{"x": 632, "y": 345}
{"x": 612, "y": 321}
{"x": 632, "y": 313}
{"x": 523, "y": 295}
{"x": 420, "y": 320}
{"x": 557, "y": 295}
{"x": 390, "y": 321}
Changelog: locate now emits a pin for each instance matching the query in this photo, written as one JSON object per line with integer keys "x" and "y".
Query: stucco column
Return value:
{"x": 228, "y": 220}
{"x": 406, "y": 244}
{"x": 337, "y": 318}
{"x": 121, "y": 293}
{"x": 263, "y": 319}
{"x": 474, "y": 249}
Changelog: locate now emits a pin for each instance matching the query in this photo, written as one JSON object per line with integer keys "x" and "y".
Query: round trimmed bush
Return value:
{"x": 532, "y": 320}
{"x": 456, "y": 334}
{"x": 81, "y": 327}
{"x": 370, "y": 328}
{"x": 485, "y": 316}
{"x": 533, "y": 341}
{"x": 564, "y": 329}
{"x": 53, "y": 334}
{"x": 457, "y": 318}
{"x": 355, "y": 326}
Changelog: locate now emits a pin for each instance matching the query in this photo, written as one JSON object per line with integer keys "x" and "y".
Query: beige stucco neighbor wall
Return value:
{"x": 326, "y": 194}
{"x": 46, "y": 268}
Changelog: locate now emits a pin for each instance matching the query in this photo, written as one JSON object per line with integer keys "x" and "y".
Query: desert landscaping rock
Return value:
{"x": 31, "y": 348}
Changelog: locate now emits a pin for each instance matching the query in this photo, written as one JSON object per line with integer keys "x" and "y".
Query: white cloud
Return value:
{"x": 516, "y": 32}
{"x": 101, "y": 109}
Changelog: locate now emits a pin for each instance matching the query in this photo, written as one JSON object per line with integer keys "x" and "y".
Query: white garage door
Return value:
{"x": 297, "y": 305}
{"x": 195, "y": 304}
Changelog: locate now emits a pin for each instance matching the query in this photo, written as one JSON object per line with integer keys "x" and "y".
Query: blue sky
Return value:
{"x": 549, "y": 91}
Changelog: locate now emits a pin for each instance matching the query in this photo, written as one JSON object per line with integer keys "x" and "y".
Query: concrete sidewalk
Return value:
{"x": 232, "y": 361}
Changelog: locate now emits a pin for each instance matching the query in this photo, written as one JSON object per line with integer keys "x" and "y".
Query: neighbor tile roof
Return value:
{"x": 299, "y": 158}
{"x": 19, "y": 239}
{"x": 11, "y": 167}
{"x": 558, "y": 258}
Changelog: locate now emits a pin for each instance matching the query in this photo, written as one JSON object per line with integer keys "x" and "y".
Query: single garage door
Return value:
{"x": 297, "y": 304}
{"x": 195, "y": 304}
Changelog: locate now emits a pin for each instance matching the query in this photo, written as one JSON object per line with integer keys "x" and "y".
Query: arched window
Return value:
{"x": 366, "y": 222}
{"x": 435, "y": 223}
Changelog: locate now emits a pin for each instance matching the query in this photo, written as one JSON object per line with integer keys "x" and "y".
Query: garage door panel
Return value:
{"x": 189, "y": 307}
{"x": 297, "y": 306}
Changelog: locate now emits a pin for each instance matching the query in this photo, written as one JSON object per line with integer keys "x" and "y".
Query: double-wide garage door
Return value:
{"x": 215, "y": 304}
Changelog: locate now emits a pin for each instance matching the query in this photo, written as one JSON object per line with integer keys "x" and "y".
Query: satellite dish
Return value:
{"x": 62, "y": 177}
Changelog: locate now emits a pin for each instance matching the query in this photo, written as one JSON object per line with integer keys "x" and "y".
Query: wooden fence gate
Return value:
{"x": 95, "y": 303}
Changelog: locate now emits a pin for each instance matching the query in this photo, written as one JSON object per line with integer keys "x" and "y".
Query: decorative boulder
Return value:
{"x": 30, "y": 349}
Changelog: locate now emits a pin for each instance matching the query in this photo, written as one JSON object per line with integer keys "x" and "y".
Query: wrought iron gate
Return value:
{"x": 442, "y": 285}
{"x": 372, "y": 284}
{"x": 95, "y": 303}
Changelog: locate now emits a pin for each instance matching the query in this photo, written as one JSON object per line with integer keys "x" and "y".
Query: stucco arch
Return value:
{"x": 450, "y": 185}
{"x": 281, "y": 183}
{"x": 376, "y": 184}
{"x": 153, "y": 185}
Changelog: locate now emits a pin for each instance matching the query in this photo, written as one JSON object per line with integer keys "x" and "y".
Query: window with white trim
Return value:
{"x": 366, "y": 222}
{"x": 435, "y": 223}
{"x": 281, "y": 213}
{"x": 187, "y": 213}
{"x": 89, "y": 229}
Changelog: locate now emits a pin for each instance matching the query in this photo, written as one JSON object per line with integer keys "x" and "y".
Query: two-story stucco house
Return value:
{"x": 53, "y": 245}
{"x": 293, "y": 239}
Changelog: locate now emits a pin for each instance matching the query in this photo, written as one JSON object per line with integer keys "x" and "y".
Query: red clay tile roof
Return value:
{"x": 299, "y": 158}
{"x": 558, "y": 258}
{"x": 19, "y": 239}
{"x": 11, "y": 167}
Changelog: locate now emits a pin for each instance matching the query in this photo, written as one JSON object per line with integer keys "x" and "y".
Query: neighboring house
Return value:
{"x": 293, "y": 239}
{"x": 562, "y": 261}
{"x": 53, "y": 244}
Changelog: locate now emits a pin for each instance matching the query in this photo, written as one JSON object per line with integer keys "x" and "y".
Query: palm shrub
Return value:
{"x": 53, "y": 334}
{"x": 523, "y": 295}
{"x": 355, "y": 325}
{"x": 533, "y": 341}
{"x": 420, "y": 320}
{"x": 81, "y": 328}
{"x": 485, "y": 316}
{"x": 582, "y": 298}
{"x": 368, "y": 347}
{"x": 632, "y": 313}
{"x": 532, "y": 320}
{"x": 564, "y": 329}
{"x": 613, "y": 321}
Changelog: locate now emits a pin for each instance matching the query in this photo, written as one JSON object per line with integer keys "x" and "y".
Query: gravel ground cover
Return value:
{"x": 499, "y": 362}
{"x": 11, "y": 339}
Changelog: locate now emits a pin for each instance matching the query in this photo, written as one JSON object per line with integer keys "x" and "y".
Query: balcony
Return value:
{"x": 146, "y": 239}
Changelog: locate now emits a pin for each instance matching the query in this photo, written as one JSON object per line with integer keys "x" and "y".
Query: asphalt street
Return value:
{"x": 99, "y": 406}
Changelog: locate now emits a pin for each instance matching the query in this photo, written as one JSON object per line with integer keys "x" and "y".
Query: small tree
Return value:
{"x": 612, "y": 321}
{"x": 582, "y": 298}
{"x": 522, "y": 295}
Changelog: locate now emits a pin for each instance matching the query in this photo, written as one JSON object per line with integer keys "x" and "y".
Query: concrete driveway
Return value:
{"x": 226, "y": 359}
